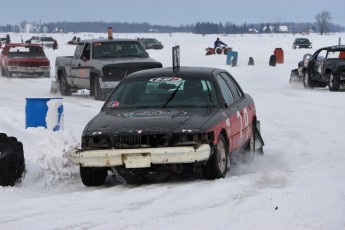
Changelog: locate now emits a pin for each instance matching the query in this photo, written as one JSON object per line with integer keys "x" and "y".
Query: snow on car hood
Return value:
{"x": 151, "y": 119}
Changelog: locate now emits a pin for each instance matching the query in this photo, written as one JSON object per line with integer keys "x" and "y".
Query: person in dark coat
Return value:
{"x": 8, "y": 39}
{"x": 217, "y": 43}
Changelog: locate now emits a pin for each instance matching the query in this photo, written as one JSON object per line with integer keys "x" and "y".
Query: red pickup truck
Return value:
{"x": 17, "y": 59}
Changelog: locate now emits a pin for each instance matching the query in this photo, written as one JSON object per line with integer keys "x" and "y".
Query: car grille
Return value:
{"x": 29, "y": 64}
{"x": 116, "y": 73}
{"x": 142, "y": 140}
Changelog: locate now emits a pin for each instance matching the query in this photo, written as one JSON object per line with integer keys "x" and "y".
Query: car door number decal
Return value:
{"x": 82, "y": 73}
{"x": 246, "y": 121}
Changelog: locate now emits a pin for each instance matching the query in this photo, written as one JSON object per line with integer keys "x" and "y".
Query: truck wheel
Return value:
{"x": 97, "y": 89}
{"x": 307, "y": 82}
{"x": 93, "y": 176}
{"x": 12, "y": 163}
{"x": 333, "y": 82}
{"x": 217, "y": 165}
{"x": 65, "y": 90}
{"x": 4, "y": 73}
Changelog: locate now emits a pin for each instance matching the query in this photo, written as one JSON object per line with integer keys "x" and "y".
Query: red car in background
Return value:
{"x": 19, "y": 59}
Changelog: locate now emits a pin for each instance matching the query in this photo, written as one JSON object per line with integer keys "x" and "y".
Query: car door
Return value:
{"x": 232, "y": 123}
{"x": 80, "y": 69}
{"x": 315, "y": 66}
{"x": 244, "y": 113}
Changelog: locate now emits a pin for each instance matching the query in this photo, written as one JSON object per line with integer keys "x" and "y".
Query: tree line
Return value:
{"x": 322, "y": 25}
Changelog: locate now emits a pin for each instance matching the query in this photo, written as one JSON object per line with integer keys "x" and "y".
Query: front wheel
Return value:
{"x": 97, "y": 89}
{"x": 217, "y": 165}
{"x": 333, "y": 82}
{"x": 307, "y": 82}
{"x": 65, "y": 89}
{"x": 93, "y": 176}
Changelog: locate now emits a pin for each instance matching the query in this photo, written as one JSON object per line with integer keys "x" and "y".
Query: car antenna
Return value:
{"x": 176, "y": 58}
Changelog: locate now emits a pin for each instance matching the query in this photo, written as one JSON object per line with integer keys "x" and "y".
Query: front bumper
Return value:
{"x": 140, "y": 157}
{"x": 28, "y": 70}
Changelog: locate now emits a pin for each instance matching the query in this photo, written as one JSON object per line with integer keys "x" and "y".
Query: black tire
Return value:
{"x": 4, "y": 73}
{"x": 234, "y": 62}
{"x": 65, "y": 89}
{"x": 93, "y": 176}
{"x": 273, "y": 60}
{"x": 307, "y": 81}
{"x": 97, "y": 92}
{"x": 217, "y": 166}
{"x": 251, "y": 150}
{"x": 12, "y": 163}
{"x": 333, "y": 82}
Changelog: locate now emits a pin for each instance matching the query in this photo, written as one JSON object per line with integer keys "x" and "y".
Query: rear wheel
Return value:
{"x": 217, "y": 165}
{"x": 333, "y": 82}
{"x": 65, "y": 89}
{"x": 93, "y": 176}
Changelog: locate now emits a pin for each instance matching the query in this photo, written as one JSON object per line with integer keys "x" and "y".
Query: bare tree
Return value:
{"x": 323, "y": 19}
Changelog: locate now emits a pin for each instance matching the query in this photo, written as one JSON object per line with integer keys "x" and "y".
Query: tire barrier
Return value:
{"x": 12, "y": 163}
{"x": 251, "y": 61}
{"x": 273, "y": 60}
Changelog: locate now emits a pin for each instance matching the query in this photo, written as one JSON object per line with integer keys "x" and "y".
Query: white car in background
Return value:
{"x": 46, "y": 41}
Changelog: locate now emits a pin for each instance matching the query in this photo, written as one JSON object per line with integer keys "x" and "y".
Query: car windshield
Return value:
{"x": 26, "y": 51}
{"x": 47, "y": 39}
{"x": 118, "y": 49}
{"x": 163, "y": 92}
{"x": 302, "y": 41}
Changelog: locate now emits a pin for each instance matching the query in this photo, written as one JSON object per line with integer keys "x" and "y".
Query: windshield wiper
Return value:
{"x": 172, "y": 95}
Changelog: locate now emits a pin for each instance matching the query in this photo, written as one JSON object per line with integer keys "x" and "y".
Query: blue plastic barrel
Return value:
{"x": 231, "y": 58}
{"x": 44, "y": 112}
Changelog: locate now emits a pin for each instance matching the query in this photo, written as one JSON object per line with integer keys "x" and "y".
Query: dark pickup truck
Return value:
{"x": 326, "y": 67}
{"x": 99, "y": 65}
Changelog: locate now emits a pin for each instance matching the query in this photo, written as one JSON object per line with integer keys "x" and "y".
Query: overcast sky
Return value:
{"x": 173, "y": 12}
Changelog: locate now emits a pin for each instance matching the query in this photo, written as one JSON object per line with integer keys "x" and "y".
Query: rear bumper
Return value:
{"x": 140, "y": 157}
{"x": 28, "y": 70}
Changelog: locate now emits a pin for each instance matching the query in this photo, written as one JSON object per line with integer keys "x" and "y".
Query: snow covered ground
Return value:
{"x": 297, "y": 184}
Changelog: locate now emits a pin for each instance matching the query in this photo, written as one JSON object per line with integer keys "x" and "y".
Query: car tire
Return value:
{"x": 333, "y": 82}
{"x": 307, "y": 81}
{"x": 250, "y": 150}
{"x": 217, "y": 166}
{"x": 273, "y": 60}
{"x": 65, "y": 89}
{"x": 91, "y": 176}
{"x": 12, "y": 163}
{"x": 97, "y": 92}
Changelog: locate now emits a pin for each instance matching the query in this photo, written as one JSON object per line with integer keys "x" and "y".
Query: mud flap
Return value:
{"x": 54, "y": 87}
{"x": 294, "y": 76}
{"x": 259, "y": 142}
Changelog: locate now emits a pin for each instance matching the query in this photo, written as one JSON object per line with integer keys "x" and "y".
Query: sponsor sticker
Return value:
{"x": 113, "y": 104}
{"x": 165, "y": 79}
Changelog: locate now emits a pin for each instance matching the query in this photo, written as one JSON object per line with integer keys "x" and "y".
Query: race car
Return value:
{"x": 162, "y": 120}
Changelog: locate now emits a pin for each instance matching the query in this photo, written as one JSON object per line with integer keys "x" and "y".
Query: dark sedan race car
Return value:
{"x": 161, "y": 120}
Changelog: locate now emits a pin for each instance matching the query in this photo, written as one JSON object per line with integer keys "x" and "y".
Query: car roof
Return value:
{"x": 169, "y": 72}
{"x": 107, "y": 40}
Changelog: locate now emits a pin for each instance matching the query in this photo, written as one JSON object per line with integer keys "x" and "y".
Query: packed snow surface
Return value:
{"x": 297, "y": 184}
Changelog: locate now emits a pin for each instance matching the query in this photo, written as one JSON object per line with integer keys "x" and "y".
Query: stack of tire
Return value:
{"x": 12, "y": 163}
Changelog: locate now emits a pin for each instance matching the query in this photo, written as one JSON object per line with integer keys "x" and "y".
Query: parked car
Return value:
{"x": 326, "y": 67}
{"x": 161, "y": 120}
{"x": 300, "y": 43}
{"x": 99, "y": 65}
{"x": 2, "y": 42}
{"x": 151, "y": 43}
{"x": 46, "y": 41}
{"x": 20, "y": 59}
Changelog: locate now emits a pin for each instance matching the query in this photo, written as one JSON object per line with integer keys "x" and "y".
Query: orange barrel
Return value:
{"x": 279, "y": 53}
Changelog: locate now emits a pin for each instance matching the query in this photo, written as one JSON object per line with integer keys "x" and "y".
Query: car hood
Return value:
{"x": 125, "y": 61}
{"x": 167, "y": 120}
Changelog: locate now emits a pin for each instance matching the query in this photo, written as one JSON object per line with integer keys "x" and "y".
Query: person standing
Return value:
{"x": 8, "y": 39}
